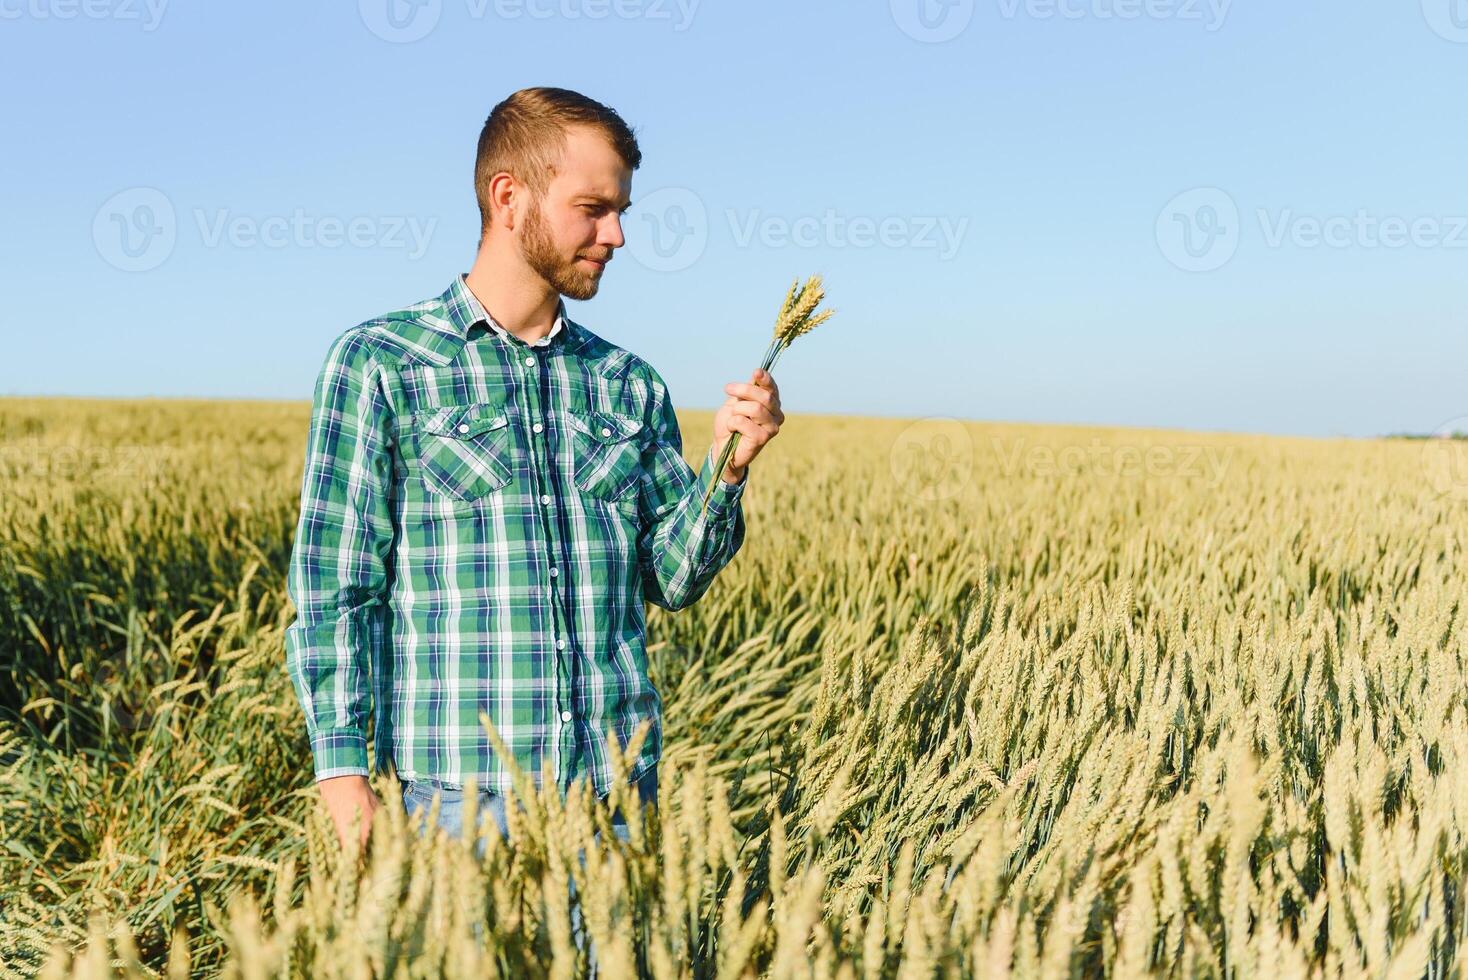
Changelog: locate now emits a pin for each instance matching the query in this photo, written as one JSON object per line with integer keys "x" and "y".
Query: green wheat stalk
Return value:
{"x": 797, "y": 316}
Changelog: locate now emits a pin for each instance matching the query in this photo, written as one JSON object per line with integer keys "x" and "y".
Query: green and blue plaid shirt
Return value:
{"x": 481, "y": 520}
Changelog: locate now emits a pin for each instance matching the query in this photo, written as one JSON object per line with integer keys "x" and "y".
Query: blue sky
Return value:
{"x": 1241, "y": 216}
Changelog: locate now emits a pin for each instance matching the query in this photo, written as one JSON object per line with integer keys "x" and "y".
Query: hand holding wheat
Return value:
{"x": 756, "y": 407}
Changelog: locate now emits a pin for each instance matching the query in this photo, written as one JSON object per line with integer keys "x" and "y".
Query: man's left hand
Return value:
{"x": 753, "y": 410}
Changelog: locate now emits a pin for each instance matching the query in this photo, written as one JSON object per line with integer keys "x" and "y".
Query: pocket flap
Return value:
{"x": 608, "y": 427}
{"x": 463, "y": 421}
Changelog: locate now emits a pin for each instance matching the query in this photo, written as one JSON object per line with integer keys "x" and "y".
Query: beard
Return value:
{"x": 562, "y": 272}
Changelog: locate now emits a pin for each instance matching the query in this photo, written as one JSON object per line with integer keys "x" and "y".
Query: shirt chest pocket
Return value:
{"x": 607, "y": 452}
{"x": 464, "y": 451}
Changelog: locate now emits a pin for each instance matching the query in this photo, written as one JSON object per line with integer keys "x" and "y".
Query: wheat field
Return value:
{"x": 973, "y": 700}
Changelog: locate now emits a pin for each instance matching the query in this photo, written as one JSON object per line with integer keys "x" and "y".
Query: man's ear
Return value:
{"x": 504, "y": 198}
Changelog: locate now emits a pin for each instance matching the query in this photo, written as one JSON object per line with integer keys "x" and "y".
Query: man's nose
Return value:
{"x": 609, "y": 232}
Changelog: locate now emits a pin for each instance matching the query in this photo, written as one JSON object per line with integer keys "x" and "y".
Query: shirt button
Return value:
{"x": 537, "y": 427}
{"x": 530, "y": 361}
{"x": 545, "y": 498}
{"x": 463, "y": 428}
{"x": 560, "y": 644}
{"x": 565, "y": 716}
{"x": 554, "y": 571}
{"x": 606, "y": 432}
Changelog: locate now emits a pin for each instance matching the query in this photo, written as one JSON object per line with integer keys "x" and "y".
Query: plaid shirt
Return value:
{"x": 481, "y": 520}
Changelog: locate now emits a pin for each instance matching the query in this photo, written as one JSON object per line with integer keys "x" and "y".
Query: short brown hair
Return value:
{"x": 526, "y": 133}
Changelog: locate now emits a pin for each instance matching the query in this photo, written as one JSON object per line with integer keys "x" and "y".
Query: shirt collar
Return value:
{"x": 465, "y": 311}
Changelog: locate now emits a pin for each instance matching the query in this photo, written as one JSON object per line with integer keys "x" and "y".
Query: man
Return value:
{"x": 491, "y": 491}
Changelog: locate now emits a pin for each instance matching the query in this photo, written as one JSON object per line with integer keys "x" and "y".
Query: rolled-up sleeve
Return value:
{"x": 681, "y": 550}
{"x": 341, "y": 561}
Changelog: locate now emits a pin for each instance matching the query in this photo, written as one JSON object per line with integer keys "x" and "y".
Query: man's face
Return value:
{"x": 568, "y": 236}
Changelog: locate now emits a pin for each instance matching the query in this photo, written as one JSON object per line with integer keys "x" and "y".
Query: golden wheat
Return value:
{"x": 974, "y": 700}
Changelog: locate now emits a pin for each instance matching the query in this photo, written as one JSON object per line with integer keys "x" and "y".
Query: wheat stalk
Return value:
{"x": 797, "y": 316}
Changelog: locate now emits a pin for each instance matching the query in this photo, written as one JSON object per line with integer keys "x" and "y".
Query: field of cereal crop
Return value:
{"x": 972, "y": 700}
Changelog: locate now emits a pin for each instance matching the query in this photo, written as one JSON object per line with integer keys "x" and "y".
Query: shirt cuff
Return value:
{"x": 339, "y": 752}
{"x": 725, "y": 495}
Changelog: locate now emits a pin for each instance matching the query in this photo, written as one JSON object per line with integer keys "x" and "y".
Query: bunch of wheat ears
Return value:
{"x": 797, "y": 316}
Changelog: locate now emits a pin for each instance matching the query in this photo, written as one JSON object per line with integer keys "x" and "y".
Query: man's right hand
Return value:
{"x": 344, "y": 796}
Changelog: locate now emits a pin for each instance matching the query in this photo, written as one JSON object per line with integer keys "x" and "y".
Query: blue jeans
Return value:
{"x": 418, "y": 798}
